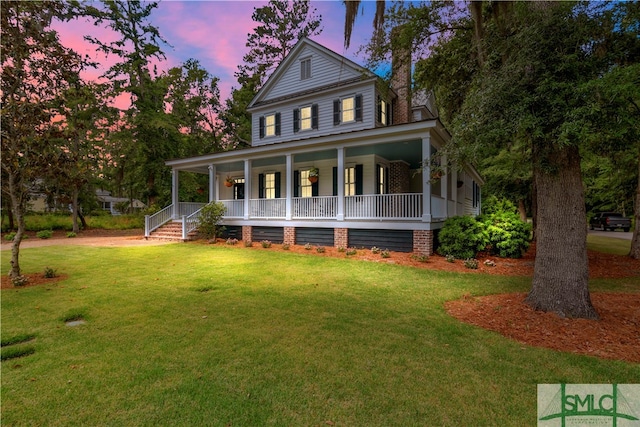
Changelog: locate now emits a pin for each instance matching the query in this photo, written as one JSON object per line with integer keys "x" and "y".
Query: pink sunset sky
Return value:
{"x": 215, "y": 32}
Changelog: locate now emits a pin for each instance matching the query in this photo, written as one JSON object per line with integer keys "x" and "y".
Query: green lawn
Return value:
{"x": 191, "y": 334}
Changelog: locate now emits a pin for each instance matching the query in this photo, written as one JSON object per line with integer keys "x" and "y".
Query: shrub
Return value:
{"x": 266, "y": 244}
{"x": 231, "y": 241}
{"x": 508, "y": 236}
{"x": 308, "y": 246}
{"x": 320, "y": 249}
{"x": 71, "y": 234}
{"x": 351, "y": 251}
{"x": 10, "y": 236}
{"x": 286, "y": 246}
{"x": 471, "y": 263}
{"x": 462, "y": 237}
{"x": 44, "y": 234}
{"x": 248, "y": 243}
{"x": 375, "y": 250}
{"x": 209, "y": 219}
{"x": 420, "y": 257}
{"x": 49, "y": 273}
{"x": 385, "y": 253}
{"x": 450, "y": 258}
{"x": 341, "y": 249}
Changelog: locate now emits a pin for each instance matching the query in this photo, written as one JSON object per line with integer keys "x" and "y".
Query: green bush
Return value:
{"x": 209, "y": 219}
{"x": 44, "y": 234}
{"x": 462, "y": 237}
{"x": 10, "y": 236}
{"x": 508, "y": 236}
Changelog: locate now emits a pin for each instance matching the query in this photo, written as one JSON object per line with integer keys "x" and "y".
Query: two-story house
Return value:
{"x": 338, "y": 158}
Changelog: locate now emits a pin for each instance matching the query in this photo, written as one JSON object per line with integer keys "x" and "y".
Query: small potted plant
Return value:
{"x": 228, "y": 181}
{"x": 313, "y": 175}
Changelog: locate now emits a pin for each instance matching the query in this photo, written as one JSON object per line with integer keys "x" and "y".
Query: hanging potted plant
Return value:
{"x": 313, "y": 175}
{"x": 228, "y": 181}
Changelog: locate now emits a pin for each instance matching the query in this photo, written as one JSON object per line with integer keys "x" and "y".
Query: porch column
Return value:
{"x": 426, "y": 179}
{"x": 340, "y": 213}
{"x": 289, "y": 188}
{"x": 174, "y": 193}
{"x": 454, "y": 189}
{"x": 247, "y": 188}
{"x": 212, "y": 184}
{"x": 444, "y": 186}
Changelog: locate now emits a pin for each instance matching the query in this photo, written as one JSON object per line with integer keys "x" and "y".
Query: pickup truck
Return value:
{"x": 610, "y": 221}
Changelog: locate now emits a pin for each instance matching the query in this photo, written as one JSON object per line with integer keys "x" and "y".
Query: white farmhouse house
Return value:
{"x": 338, "y": 158}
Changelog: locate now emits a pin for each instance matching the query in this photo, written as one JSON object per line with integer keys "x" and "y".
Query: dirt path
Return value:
{"x": 88, "y": 238}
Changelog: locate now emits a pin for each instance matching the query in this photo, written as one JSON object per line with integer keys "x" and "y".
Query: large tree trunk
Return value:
{"x": 561, "y": 270}
{"x": 635, "y": 240}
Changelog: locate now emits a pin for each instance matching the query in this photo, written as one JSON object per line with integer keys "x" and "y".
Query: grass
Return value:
{"x": 609, "y": 245}
{"x": 190, "y": 334}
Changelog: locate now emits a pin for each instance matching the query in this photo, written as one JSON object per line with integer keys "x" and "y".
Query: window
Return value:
{"x": 238, "y": 189}
{"x": 350, "y": 181}
{"x": 306, "y": 189}
{"x": 476, "y": 194}
{"x": 384, "y": 116}
{"x": 269, "y": 185}
{"x": 305, "y": 118}
{"x": 270, "y": 125}
{"x": 305, "y": 69}
{"x": 347, "y": 110}
{"x": 382, "y": 174}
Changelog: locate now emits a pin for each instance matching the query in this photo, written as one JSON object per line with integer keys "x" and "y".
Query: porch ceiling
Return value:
{"x": 409, "y": 151}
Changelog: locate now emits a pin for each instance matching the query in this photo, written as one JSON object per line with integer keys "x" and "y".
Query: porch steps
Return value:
{"x": 172, "y": 230}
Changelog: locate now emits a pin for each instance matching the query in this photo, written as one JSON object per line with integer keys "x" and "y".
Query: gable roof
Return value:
{"x": 290, "y": 59}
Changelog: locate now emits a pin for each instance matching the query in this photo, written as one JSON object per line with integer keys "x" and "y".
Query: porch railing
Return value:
{"x": 235, "y": 208}
{"x": 151, "y": 222}
{"x": 268, "y": 208}
{"x": 384, "y": 206}
{"x": 188, "y": 208}
{"x": 190, "y": 223}
{"x": 315, "y": 207}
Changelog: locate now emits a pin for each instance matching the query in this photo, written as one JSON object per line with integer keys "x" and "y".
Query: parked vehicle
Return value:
{"x": 610, "y": 221}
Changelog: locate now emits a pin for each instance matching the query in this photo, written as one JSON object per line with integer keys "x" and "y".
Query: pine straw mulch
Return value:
{"x": 615, "y": 336}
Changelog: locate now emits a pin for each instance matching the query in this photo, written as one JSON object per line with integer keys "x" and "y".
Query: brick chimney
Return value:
{"x": 401, "y": 74}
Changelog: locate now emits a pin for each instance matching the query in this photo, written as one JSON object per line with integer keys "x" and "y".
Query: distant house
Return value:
{"x": 338, "y": 158}
{"x": 109, "y": 203}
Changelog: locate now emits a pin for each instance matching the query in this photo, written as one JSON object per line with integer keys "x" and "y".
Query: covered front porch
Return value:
{"x": 371, "y": 180}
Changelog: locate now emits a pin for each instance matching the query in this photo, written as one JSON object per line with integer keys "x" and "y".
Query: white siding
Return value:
{"x": 325, "y": 70}
{"x": 325, "y": 116}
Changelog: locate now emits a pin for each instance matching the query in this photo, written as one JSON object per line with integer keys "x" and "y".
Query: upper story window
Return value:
{"x": 305, "y": 118}
{"x": 270, "y": 125}
{"x": 305, "y": 69}
{"x": 348, "y": 109}
{"x": 384, "y": 112}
